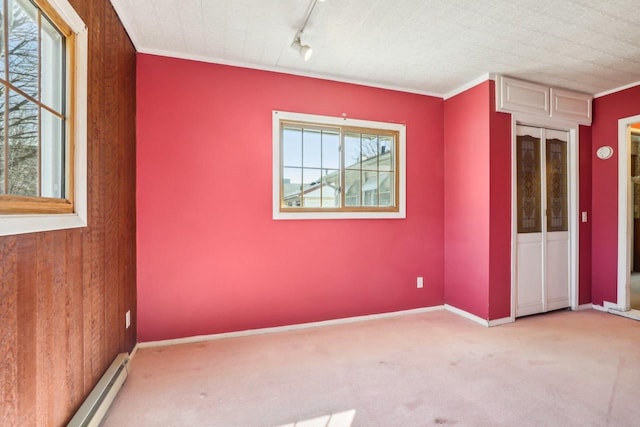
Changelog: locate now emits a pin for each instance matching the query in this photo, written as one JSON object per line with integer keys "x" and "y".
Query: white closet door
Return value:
{"x": 557, "y": 219}
{"x": 542, "y": 252}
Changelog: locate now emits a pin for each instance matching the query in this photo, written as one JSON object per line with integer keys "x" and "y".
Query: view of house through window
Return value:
{"x": 338, "y": 168}
{"x": 32, "y": 103}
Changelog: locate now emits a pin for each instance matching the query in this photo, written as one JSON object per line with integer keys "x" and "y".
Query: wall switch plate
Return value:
{"x": 127, "y": 319}
{"x": 420, "y": 282}
{"x": 584, "y": 217}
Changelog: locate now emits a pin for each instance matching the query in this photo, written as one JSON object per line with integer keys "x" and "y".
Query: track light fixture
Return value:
{"x": 304, "y": 49}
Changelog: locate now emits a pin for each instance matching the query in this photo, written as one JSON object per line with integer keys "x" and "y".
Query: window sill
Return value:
{"x": 21, "y": 224}
{"x": 339, "y": 215}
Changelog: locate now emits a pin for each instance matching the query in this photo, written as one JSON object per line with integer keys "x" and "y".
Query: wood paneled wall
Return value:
{"x": 64, "y": 294}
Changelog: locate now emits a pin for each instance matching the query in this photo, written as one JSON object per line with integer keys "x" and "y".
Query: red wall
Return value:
{"x": 211, "y": 259}
{"x": 500, "y": 211}
{"x": 467, "y": 192}
{"x": 607, "y": 110}
{"x": 584, "y": 228}
{"x": 477, "y": 204}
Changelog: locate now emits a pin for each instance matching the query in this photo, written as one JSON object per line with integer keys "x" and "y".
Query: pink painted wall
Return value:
{"x": 607, "y": 110}
{"x": 584, "y": 228}
{"x": 211, "y": 259}
{"x": 500, "y": 211}
{"x": 466, "y": 207}
{"x": 478, "y": 205}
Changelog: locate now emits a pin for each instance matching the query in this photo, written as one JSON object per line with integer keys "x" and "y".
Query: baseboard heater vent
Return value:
{"x": 97, "y": 403}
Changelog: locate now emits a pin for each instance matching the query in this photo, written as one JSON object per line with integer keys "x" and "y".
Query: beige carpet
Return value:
{"x": 559, "y": 369}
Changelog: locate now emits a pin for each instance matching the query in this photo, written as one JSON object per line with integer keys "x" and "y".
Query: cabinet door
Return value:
{"x": 571, "y": 106}
{"x": 526, "y": 97}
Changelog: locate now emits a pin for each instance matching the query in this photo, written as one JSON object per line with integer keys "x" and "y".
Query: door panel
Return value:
{"x": 542, "y": 241}
{"x": 529, "y": 275}
{"x": 557, "y": 270}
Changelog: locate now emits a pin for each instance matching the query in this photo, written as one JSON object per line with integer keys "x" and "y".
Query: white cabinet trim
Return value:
{"x": 519, "y": 96}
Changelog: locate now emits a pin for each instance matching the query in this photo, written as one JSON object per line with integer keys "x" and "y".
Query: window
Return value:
{"x": 43, "y": 65}
{"x": 332, "y": 167}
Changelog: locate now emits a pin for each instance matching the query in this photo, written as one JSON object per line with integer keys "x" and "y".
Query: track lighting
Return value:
{"x": 304, "y": 49}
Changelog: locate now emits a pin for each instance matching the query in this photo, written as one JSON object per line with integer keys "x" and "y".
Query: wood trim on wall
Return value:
{"x": 64, "y": 293}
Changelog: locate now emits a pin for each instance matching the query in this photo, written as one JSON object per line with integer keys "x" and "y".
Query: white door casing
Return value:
{"x": 625, "y": 217}
{"x": 550, "y": 273}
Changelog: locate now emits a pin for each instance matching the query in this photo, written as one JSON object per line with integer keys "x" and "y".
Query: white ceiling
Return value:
{"x": 424, "y": 46}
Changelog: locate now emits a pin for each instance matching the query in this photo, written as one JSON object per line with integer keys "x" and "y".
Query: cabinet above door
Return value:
{"x": 513, "y": 95}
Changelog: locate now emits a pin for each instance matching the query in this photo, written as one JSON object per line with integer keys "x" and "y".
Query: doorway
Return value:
{"x": 543, "y": 243}
{"x": 629, "y": 215}
{"x": 627, "y": 187}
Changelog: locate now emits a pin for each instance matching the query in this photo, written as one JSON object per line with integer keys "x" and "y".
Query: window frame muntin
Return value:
{"x": 17, "y": 204}
{"x": 366, "y": 212}
{"x": 77, "y": 65}
{"x": 343, "y": 168}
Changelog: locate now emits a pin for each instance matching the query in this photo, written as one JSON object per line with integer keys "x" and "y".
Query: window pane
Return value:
{"x": 352, "y": 152}
{"x": 387, "y": 188}
{"x": 52, "y": 70}
{"x": 370, "y": 189}
{"x": 330, "y": 150}
{"x": 52, "y": 156}
{"x": 2, "y": 141}
{"x": 528, "y": 184}
{"x": 386, "y": 145}
{"x": 369, "y": 151}
{"x": 338, "y": 167}
{"x": 331, "y": 177}
{"x": 353, "y": 188}
{"x": 23, "y": 146}
{"x": 557, "y": 203}
{"x": 311, "y": 188}
{"x": 292, "y": 147}
{"x": 2, "y": 53}
{"x": 23, "y": 47}
{"x": 312, "y": 149}
{"x": 291, "y": 186}
{"x": 330, "y": 186}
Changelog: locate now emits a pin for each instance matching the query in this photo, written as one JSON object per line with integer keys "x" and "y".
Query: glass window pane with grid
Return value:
{"x": 311, "y": 167}
{"x": 32, "y": 103}
{"x": 337, "y": 168}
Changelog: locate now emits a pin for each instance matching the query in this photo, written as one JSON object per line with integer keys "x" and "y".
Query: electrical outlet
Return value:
{"x": 420, "y": 282}
{"x": 127, "y": 319}
{"x": 584, "y": 217}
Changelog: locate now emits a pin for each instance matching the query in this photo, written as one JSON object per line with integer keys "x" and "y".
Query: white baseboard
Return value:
{"x": 200, "y": 338}
{"x": 599, "y": 308}
{"x": 585, "y": 307}
{"x": 477, "y": 319}
{"x": 466, "y": 315}
{"x": 133, "y": 352}
{"x": 629, "y": 314}
{"x": 503, "y": 321}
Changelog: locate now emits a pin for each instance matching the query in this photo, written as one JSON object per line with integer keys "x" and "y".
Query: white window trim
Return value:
{"x": 20, "y": 224}
{"x": 278, "y": 116}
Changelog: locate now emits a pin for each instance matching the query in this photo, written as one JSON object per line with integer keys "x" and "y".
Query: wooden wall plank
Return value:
{"x": 27, "y": 327}
{"x": 94, "y": 327}
{"x": 74, "y": 319}
{"x": 44, "y": 311}
{"x": 64, "y": 293}
{"x": 8, "y": 332}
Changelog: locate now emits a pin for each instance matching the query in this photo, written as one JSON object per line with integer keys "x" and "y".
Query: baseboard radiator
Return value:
{"x": 95, "y": 406}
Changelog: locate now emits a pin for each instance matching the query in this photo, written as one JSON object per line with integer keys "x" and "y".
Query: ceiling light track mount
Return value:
{"x": 304, "y": 50}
